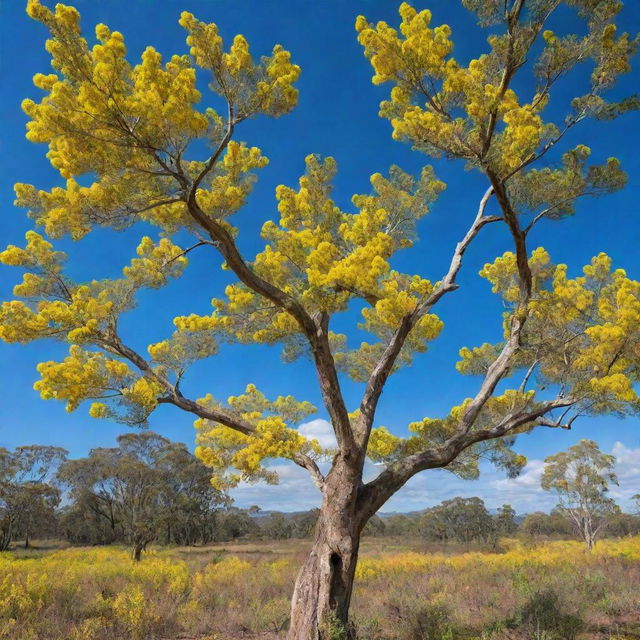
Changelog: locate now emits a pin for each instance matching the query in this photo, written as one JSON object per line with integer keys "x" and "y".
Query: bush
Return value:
{"x": 429, "y": 622}
{"x": 542, "y": 616}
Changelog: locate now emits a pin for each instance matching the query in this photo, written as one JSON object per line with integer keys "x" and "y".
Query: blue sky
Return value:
{"x": 336, "y": 115}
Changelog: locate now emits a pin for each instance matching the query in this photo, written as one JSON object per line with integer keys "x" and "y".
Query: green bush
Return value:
{"x": 542, "y": 616}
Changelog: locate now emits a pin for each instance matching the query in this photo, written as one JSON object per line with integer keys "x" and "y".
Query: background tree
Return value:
{"x": 505, "y": 520}
{"x": 621, "y": 524}
{"x": 128, "y": 131}
{"x": 187, "y": 497}
{"x": 145, "y": 486}
{"x": 28, "y": 491}
{"x": 232, "y": 524}
{"x": 545, "y": 524}
{"x": 461, "y": 519}
{"x": 402, "y": 525}
{"x": 580, "y": 477}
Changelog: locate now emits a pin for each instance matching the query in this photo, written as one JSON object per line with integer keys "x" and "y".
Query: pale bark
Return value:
{"x": 324, "y": 585}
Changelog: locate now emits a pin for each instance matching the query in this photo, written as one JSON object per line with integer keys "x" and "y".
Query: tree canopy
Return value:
{"x": 581, "y": 477}
{"x": 131, "y": 127}
{"x": 125, "y": 140}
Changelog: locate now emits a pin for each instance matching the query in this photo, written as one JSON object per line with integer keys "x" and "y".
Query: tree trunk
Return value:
{"x": 322, "y": 593}
{"x": 137, "y": 551}
{"x": 26, "y": 540}
{"x": 589, "y": 536}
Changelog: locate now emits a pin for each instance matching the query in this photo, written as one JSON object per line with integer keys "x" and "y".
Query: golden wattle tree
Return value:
{"x": 129, "y": 131}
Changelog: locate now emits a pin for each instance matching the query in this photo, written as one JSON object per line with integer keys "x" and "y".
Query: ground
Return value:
{"x": 406, "y": 590}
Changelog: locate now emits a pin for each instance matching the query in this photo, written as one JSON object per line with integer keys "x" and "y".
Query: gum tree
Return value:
{"x": 129, "y": 131}
{"x": 29, "y": 492}
{"x": 580, "y": 476}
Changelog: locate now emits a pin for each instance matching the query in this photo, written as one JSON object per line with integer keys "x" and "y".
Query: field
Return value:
{"x": 405, "y": 591}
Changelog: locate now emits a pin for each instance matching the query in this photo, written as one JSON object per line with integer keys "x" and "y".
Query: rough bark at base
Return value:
{"x": 322, "y": 593}
{"x": 323, "y": 589}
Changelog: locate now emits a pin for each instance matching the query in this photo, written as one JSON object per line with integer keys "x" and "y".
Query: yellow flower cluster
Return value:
{"x": 421, "y": 52}
{"x": 431, "y": 431}
{"x": 79, "y": 313}
{"x": 157, "y": 262}
{"x": 88, "y": 116}
{"x": 123, "y": 123}
{"x": 382, "y": 444}
{"x": 324, "y": 258}
{"x": 82, "y": 374}
{"x": 430, "y": 87}
{"x": 229, "y": 187}
{"x": 223, "y": 449}
{"x": 85, "y": 315}
{"x": 183, "y": 348}
{"x": 38, "y": 252}
{"x": 170, "y": 588}
{"x": 542, "y": 557}
{"x": 109, "y": 591}
{"x": 581, "y": 332}
{"x": 250, "y": 88}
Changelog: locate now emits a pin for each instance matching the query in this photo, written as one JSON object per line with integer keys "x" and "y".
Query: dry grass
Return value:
{"x": 405, "y": 591}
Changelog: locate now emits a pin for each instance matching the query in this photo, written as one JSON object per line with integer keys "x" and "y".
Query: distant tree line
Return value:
{"x": 149, "y": 489}
{"x": 146, "y": 489}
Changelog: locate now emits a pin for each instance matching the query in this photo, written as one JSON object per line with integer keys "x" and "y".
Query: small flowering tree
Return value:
{"x": 131, "y": 130}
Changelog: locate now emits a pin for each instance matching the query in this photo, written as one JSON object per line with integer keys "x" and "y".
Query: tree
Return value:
{"x": 581, "y": 477}
{"x": 142, "y": 487}
{"x": 277, "y": 526}
{"x": 461, "y": 519}
{"x": 28, "y": 490}
{"x": 505, "y": 520}
{"x": 545, "y": 524}
{"x": 130, "y": 131}
{"x": 623, "y": 524}
{"x": 234, "y": 523}
{"x": 187, "y": 497}
{"x": 402, "y": 525}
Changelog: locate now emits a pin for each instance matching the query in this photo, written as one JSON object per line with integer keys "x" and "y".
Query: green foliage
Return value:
{"x": 29, "y": 493}
{"x": 581, "y": 477}
{"x": 145, "y": 487}
{"x": 431, "y": 621}
{"x": 544, "y": 616}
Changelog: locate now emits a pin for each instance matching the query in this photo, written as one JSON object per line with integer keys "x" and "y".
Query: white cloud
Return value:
{"x": 628, "y": 472}
{"x": 524, "y": 492}
{"x": 296, "y": 492}
{"x": 320, "y": 430}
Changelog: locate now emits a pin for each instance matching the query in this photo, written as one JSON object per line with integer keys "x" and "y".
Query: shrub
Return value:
{"x": 543, "y": 616}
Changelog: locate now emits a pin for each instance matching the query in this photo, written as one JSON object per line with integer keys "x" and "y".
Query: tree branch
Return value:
{"x": 114, "y": 344}
{"x": 214, "y": 157}
{"x": 509, "y": 70}
{"x": 375, "y": 493}
{"x": 316, "y": 332}
{"x": 191, "y": 248}
{"x": 384, "y": 366}
{"x": 527, "y": 375}
{"x": 307, "y": 463}
{"x": 519, "y": 238}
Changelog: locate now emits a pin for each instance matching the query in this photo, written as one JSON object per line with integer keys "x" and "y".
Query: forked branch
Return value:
{"x": 385, "y": 365}
{"x": 375, "y": 493}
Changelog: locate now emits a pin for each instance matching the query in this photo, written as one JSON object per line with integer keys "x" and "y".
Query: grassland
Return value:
{"x": 405, "y": 591}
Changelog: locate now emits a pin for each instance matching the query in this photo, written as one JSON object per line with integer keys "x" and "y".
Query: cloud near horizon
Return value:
{"x": 296, "y": 492}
